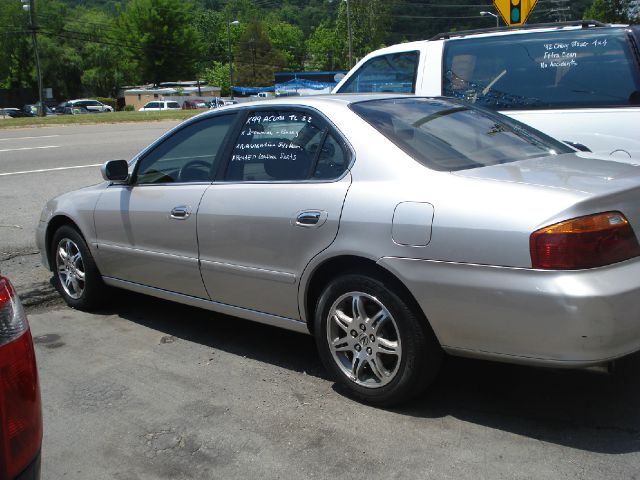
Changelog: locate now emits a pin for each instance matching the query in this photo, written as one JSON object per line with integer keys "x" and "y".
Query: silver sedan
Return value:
{"x": 392, "y": 228}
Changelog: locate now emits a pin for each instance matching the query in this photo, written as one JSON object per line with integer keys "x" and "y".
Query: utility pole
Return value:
{"x": 349, "y": 33}
{"x": 30, "y": 6}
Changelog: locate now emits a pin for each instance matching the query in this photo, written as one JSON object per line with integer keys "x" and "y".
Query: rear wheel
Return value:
{"x": 76, "y": 276}
{"x": 374, "y": 343}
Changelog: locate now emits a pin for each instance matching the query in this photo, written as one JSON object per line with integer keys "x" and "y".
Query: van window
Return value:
{"x": 394, "y": 72}
{"x": 561, "y": 69}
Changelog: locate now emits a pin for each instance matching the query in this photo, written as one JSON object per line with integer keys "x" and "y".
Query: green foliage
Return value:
{"x": 158, "y": 40}
{"x": 108, "y": 101}
{"x": 613, "y": 11}
{"x": 289, "y": 40}
{"x": 256, "y": 58}
{"x": 218, "y": 75}
{"x": 324, "y": 49}
{"x": 129, "y": 108}
{"x": 369, "y": 22}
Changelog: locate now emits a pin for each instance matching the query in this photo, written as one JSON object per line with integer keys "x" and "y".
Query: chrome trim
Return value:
{"x": 253, "y": 315}
{"x": 271, "y": 275}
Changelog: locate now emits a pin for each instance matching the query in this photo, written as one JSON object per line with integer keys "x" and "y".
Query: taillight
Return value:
{"x": 584, "y": 242}
{"x": 20, "y": 407}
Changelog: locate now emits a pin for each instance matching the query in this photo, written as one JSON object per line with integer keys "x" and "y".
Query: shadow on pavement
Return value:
{"x": 579, "y": 409}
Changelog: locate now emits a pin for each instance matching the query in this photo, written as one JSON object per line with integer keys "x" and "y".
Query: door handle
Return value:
{"x": 181, "y": 213}
{"x": 308, "y": 219}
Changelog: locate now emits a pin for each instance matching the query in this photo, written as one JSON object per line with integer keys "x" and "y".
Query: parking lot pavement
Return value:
{"x": 153, "y": 390}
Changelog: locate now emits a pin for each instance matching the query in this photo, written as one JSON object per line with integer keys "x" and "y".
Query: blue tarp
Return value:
{"x": 297, "y": 83}
{"x": 252, "y": 90}
{"x": 294, "y": 84}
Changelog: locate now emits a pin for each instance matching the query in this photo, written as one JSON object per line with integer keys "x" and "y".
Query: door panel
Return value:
{"x": 140, "y": 241}
{"x": 253, "y": 248}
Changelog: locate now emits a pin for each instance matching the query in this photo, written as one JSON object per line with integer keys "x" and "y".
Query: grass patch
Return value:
{"x": 91, "y": 118}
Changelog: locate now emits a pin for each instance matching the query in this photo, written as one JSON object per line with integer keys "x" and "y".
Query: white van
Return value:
{"x": 575, "y": 81}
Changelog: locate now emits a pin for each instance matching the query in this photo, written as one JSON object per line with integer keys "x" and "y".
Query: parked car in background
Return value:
{"x": 91, "y": 105}
{"x": 390, "y": 227}
{"x": 32, "y": 109}
{"x": 160, "y": 105}
{"x": 14, "y": 113}
{"x": 575, "y": 81}
{"x": 20, "y": 403}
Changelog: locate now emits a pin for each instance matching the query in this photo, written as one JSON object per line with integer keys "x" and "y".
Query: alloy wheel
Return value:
{"x": 364, "y": 339}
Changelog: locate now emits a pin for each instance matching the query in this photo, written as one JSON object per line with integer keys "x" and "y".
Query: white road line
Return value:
{"x": 29, "y": 148}
{"x": 49, "y": 169}
{"x": 27, "y": 138}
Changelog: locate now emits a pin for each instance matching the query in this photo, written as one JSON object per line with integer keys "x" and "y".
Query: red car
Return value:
{"x": 20, "y": 405}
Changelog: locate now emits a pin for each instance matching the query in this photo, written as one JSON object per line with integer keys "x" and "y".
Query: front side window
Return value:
{"x": 447, "y": 135}
{"x": 285, "y": 145}
{"x": 560, "y": 69}
{"x": 189, "y": 155}
{"x": 394, "y": 72}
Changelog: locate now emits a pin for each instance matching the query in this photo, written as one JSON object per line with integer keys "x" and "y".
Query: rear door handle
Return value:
{"x": 181, "y": 212}
{"x": 310, "y": 218}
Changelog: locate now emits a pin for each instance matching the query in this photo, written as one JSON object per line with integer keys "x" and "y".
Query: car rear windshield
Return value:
{"x": 448, "y": 135}
{"x": 559, "y": 69}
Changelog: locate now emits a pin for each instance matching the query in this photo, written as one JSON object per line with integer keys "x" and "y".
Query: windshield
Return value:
{"x": 559, "y": 69}
{"x": 447, "y": 135}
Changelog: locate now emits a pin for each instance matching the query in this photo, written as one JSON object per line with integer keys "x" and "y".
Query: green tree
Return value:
{"x": 256, "y": 59}
{"x": 289, "y": 39}
{"x": 370, "y": 21}
{"x": 614, "y": 11}
{"x": 324, "y": 49}
{"x": 159, "y": 41}
{"x": 16, "y": 57}
{"x": 218, "y": 75}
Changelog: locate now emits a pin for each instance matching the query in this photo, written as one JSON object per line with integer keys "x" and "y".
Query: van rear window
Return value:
{"x": 560, "y": 69}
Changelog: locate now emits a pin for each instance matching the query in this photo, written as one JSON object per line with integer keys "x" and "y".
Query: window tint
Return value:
{"x": 395, "y": 72}
{"x": 447, "y": 135}
{"x": 173, "y": 105}
{"x": 332, "y": 160}
{"x": 276, "y": 145}
{"x": 151, "y": 105}
{"x": 189, "y": 155}
{"x": 573, "y": 68}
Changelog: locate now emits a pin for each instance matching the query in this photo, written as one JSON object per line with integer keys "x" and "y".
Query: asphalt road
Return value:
{"x": 152, "y": 390}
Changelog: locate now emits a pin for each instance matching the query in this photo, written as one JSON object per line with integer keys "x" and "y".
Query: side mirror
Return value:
{"x": 115, "y": 170}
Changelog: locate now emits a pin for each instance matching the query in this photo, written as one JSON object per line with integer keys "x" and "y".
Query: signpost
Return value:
{"x": 514, "y": 12}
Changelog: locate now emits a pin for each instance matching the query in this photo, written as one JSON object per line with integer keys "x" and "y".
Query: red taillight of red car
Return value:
{"x": 584, "y": 242}
{"x": 20, "y": 407}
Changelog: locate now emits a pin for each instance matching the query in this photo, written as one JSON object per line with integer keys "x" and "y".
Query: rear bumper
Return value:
{"x": 568, "y": 319}
{"x": 32, "y": 472}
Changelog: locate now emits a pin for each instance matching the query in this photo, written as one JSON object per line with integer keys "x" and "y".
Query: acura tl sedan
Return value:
{"x": 392, "y": 228}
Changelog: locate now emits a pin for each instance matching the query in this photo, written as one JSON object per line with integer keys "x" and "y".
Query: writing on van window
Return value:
{"x": 561, "y": 54}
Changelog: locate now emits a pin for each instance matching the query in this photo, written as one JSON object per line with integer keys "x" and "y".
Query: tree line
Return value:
{"x": 97, "y": 46}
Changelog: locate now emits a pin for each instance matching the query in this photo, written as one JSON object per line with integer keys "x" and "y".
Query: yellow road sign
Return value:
{"x": 514, "y": 12}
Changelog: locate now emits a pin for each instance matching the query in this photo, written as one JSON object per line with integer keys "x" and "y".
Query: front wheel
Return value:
{"x": 76, "y": 276}
{"x": 373, "y": 341}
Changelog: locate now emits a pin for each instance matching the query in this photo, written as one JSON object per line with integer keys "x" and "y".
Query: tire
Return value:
{"x": 384, "y": 356}
{"x": 76, "y": 276}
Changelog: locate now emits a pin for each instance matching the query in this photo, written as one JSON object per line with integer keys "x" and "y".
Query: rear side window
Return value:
{"x": 561, "y": 69}
{"x": 173, "y": 105}
{"x": 285, "y": 145}
{"x": 395, "y": 72}
{"x": 447, "y": 135}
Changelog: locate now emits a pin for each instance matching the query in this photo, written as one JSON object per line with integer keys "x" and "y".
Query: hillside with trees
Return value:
{"x": 94, "y": 47}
